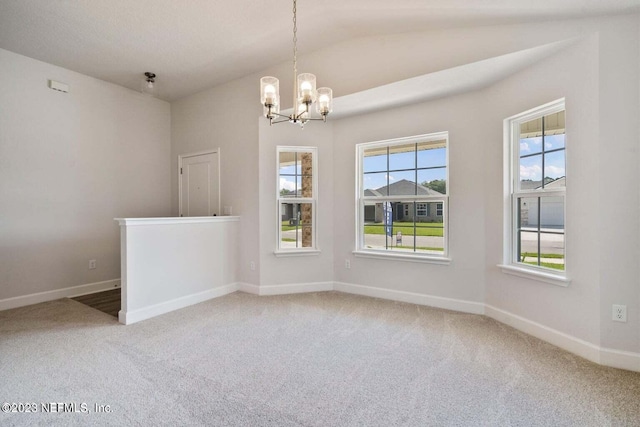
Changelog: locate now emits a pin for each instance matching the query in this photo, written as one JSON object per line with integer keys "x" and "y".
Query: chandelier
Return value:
{"x": 304, "y": 93}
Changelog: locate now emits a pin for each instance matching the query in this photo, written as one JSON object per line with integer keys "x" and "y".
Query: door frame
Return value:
{"x": 198, "y": 153}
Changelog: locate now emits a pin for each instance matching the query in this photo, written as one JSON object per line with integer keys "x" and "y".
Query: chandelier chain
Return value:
{"x": 295, "y": 40}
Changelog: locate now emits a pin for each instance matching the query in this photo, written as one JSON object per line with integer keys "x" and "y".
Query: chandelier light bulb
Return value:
{"x": 269, "y": 94}
{"x": 304, "y": 93}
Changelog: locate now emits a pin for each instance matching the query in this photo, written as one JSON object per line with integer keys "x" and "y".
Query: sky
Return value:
{"x": 431, "y": 166}
{"x": 531, "y": 167}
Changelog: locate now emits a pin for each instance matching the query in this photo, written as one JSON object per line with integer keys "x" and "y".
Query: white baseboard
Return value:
{"x": 620, "y": 359}
{"x": 411, "y": 297}
{"x": 72, "y": 291}
{"x": 133, "y": 316}
{"x": 592, "y": 352}
{"x": 249, "y": 288}
{"x": 296, "y": 288}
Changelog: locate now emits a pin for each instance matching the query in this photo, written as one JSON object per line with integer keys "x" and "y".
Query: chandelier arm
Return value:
{"x": 279, "y": 121}
{"x": 279, "y": 115}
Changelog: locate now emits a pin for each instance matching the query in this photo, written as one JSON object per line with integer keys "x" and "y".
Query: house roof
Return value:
{"x": 404, "y": 187}
{"x": 549, "y": 183}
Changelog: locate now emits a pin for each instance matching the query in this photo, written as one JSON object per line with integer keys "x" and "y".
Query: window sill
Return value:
{"x": 307, "y": 252}
{"x": 540, "y": 276}
{"x": 403, "y": 257}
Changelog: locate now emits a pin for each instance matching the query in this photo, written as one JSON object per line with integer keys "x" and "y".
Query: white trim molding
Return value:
{"x": 295, "y": 288}
{"x": 70, "y": 292}
{"x": 129, "y": 317}
{"x": 602, "y": 356}
{"x": 402, "y": 256}
{"x": 540, "y": 276}
{"x": 175, "y": 220}
{"x": 411, "y": 297}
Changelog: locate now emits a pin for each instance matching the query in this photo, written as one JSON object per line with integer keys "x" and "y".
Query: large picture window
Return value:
{"x": 296, "y": 198}
{"x": 403, "y": 196}
{"x": 537, "y": 182}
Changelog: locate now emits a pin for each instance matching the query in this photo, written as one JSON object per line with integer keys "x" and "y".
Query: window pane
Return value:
{"x": 375, "y": 237}
{"x": 425, "y": 237}
{"x": 431, "y": 180}
{"x": 375, "y": 184}
{"x": 528, "y": 213}
{"x": 296, "y": 174}
{"x": 402, "y": 183}
{"x": 288, "y": 186}
{"x": 296, "y": 227}
{"x": 531, "y": 172}
{"x": 375, "y": 160}
{"x": 530, "y": 146}
{"x": 402, "y": 157}
{"x": 432, "y": 154}
{"x": 552, "y": 213}
{"x": 288, "y": 162}
{"x": 528, "y": 246}
{"x": 554, "y": 124}
{"x": 552, "y": 142}
{"x": 531, "y": 129}
{"x": 552, "y": 251}
{"x": 554, "y": 168}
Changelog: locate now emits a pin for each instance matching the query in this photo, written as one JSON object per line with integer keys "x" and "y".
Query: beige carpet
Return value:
{"x": 322, "y": 359}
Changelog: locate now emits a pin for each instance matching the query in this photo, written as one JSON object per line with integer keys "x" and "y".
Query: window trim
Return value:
{"x": 360, "y": 249}
{"x": 511, "y": 160}
{"x": 314, "y": 249}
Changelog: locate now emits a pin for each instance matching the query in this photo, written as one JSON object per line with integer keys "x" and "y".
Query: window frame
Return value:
{"x": 360, "y": 249}
{"x": 312, "y": 250}
{"x": 513, "y": 194}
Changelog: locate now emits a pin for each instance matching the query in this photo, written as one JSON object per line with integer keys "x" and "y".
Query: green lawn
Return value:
{"x": 423, "y": 248}
{"x": 287, "y": 227}
{"x": 535, "y": 255}
{"x": 547, "y": 264}
{"x": 406, "y": 228}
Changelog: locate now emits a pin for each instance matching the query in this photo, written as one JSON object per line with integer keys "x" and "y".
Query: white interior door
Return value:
{"x": 200, "y": 184}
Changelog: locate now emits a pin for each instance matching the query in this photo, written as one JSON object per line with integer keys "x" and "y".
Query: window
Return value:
{"x": 296, "y": 198}
{"x": 402, "y": 196}
{"x": 537, "y": 182}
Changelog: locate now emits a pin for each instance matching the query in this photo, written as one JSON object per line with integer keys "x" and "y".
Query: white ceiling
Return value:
{"x": 196, "y": 44}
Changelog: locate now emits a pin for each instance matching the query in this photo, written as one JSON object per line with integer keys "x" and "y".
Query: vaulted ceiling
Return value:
{"x": 196, "y": 44}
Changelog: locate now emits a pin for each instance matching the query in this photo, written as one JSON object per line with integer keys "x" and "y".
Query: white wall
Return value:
{"x": 464, "y": 278}
{"x": 296, "y": 269}
{"x": 599, "y": 78}
{"x": 198, "y": 258}
{"x": 572, "y": 74}
{"x": 225, "y": 117}
{"x": 70, "y": 163}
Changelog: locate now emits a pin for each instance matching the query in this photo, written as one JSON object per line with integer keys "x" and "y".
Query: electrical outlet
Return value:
{"x": 92, "y": 264}
{"x": 347, "y": 263}
{"x": 619, "y": 313}
{"x": 252, "y": 266}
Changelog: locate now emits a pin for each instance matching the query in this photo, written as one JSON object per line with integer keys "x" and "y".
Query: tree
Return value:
{"x": 439, "y": 185}
{"x": 285, "y": 192}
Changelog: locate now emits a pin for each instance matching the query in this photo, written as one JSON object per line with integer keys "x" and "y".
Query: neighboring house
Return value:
{"x": 403, "y": 211}
{"x": 551, "y": 208}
